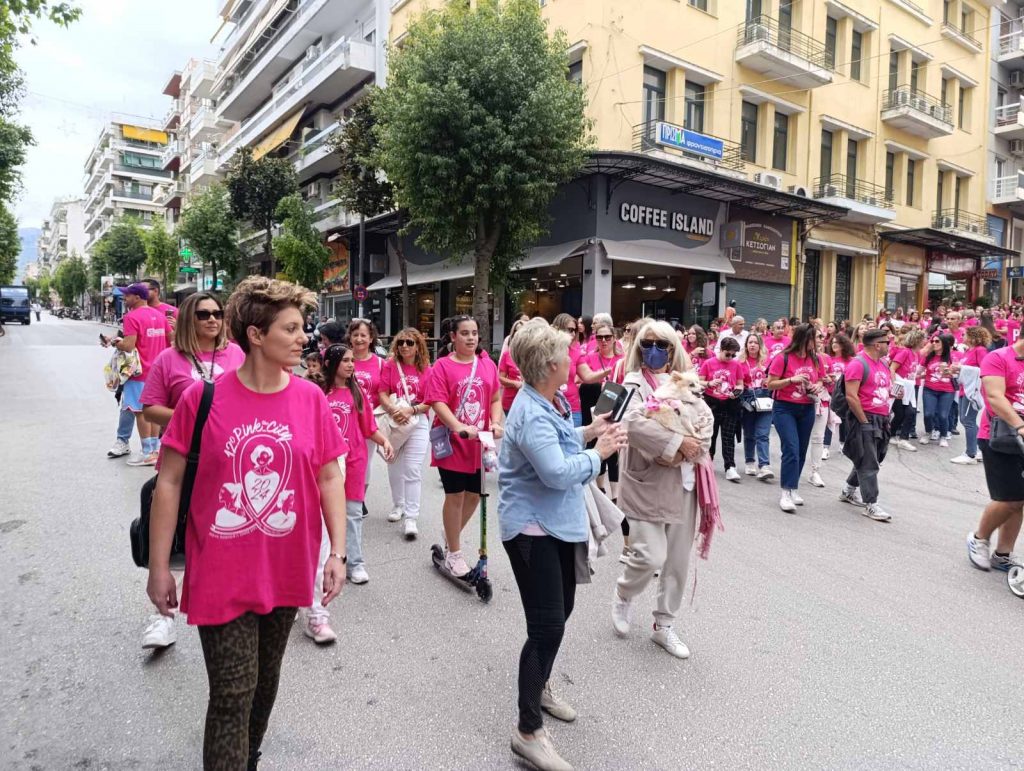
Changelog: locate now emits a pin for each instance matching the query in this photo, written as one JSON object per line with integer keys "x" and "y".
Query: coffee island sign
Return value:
{"x": 698, "y": 228}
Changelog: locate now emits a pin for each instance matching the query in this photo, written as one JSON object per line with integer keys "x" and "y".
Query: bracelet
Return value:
{"x": 338, "y": 556}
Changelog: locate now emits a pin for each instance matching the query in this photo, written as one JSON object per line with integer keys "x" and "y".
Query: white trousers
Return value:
{"x": 818, "y": 439}
{"x": 353, "y": 549}
{"x": 406, "y": 473}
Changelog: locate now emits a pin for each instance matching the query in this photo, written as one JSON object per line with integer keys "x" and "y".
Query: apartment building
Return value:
{"x": 287, "y": 72}
{"x": 821, "y": 157}
{"x": 122, "y": 176}
{"x": 63, "y": 232}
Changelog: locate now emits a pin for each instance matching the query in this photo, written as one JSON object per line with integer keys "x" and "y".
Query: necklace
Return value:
{"x": 203, "y": 373}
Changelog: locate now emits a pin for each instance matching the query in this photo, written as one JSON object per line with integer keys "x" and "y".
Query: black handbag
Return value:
{"x": 1003, "y": 437}
{"x": 139, "y": 530}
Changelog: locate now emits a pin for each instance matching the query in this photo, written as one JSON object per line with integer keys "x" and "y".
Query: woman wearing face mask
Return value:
{"x": 361, "y": 337}
{"x": 937, "y": 361}
{"x": 757, "y": 425}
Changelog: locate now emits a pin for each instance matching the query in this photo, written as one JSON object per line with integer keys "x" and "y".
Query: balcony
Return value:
{"x": 962, "y": 223}
{"x": 336, "y": 71}
{"x": 150, "y": 172}
{"x": 1009, "y": 121}
{"x": 123, "y": 194}
{"x": 201, "y": 79}
{"x": 171, "y": 159}
{"x": 203, "y": 168}
{"x": 1011, "y": 48}
{"x": 169, "y": 196}
{"x": 205, "y": 125}
{"x": 782, "y": 54}
{"x": 961, "y": 37}
{"x": 315, "y": 156}
{"x": 916, "y": 112}
{"x": 173, "y": 116}
{"x": 868, "y": 203}
{"x": 1007, "y": 190}
{"x": 679, "y": 145}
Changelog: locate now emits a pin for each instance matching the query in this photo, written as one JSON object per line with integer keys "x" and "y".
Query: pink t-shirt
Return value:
{"x": 729, "y": 372}
{"x": 875, "y": 387}
{"x": 1012, "y": 331}
{"x": 795, "y": 365}
{"x": 958, "y": 335}
{"x": 906, "y": 362}
{"x": 774, "y": 345}
{"x": 149, "y": 326}
{"x": 571, "y": 389}
{"x": 368, "y": 374}
{"x": 449, "y": 380}
{"x": 253, "y": 534}
{"x": 933, "y": 377}
{"x": 972, "y": 322}
{"x": 173, "y": 372}
{"x": 754, "y": 374}
{"x": 508, "y": 368}
{"x": 597, "y": 362}
{"x": 355, "y": 428}
{"x": 1003, "y": 363}
{"x": 415, "y": 381}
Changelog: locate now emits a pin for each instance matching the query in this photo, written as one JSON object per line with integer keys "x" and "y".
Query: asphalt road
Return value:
{"x": 820, "y": 640}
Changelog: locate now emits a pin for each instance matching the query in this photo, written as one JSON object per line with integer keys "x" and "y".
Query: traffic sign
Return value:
{"x": 189, "y": 270}
{"x": 360, "y": 293}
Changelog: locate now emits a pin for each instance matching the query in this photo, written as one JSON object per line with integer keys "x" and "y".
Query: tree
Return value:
{"x": 211, "y": 230}
{"x": 71, "y": 280}
{"x": 362, "y": 186}
{"x": 478, "y": 126}
{"x": 256, "y": 187}
{"x": 303, "y": 256}
{"x": 161, "y": 253}
{"x": 98, "y": 265}
{"x": 123, "y": 248}
{"x": 10, "y": 245}
{"x": 44, "y": 285}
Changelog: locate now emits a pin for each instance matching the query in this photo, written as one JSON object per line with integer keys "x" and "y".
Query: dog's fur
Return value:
{"x": 681, "y": 409}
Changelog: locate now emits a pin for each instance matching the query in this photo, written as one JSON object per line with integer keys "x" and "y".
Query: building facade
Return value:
{"x": 63, "y": 232}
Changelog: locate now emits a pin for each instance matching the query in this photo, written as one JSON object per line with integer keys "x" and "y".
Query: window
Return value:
{"x": 748, "y": 132}
{"x": 700, "y": 5}
{"x": 831, "y": 26}
{"x": 945, "y": 93}
{"x": 694, "y": 98}
{"x": 1000, "y": 168}
{"x": 938, "y": 190}
{"x": 780, "y": 142}
{"x": 856, "y": 46}
{"x": 785, "y": 23}
{"x": 654, "y": 97}
{"x": 958, "y": 189}
{"x": 911, "y": 174}
{"x": 965, "y": 21}
{"x": 947, "y": 10}
{"x": 140, "y": 161}
{"x": 851, "y": 168}
{"x": 753, "y": 9}
{"x": 825, "y": 164}
{"x": 576, "y": 72}
{"x": 915, "y": 76}
{"x": 963, "y": 110}
{"x": 894, "y": 69}
{"x": 890, "y": 171}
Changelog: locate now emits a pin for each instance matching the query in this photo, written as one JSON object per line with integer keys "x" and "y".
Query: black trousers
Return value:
{"x": 904, "y": 419}
{"x": 727, "y": 417}
{"x": 545, "y": 571}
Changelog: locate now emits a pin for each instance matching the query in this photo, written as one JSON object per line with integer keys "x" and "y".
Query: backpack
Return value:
{"x": 840, "y": 406}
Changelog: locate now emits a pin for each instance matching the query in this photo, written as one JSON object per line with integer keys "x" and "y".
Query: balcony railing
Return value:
{"x": 147, "y": 170}
{"x": 918, "y": 101}
{"x": 962, "y": 34}
{"x": 1005, "y": 187}
{"x": 1010, "y": 43}
{"x": 842, "y": 186}
{"x": 135, "y": 194}
{"x": 767, "y": 30}
{"x": 1007, "y": 114}
{"x": 955, "y": 219}
{"x": 645, "y": 139}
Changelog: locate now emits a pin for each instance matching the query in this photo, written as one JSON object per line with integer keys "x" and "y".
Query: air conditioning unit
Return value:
{"x": 973, "y": 228}
{"x": 870, "y": 200}
{"x": 1017, "y": 78}
{"x": 800, "y": 190}
{"x": 314, "y": 51}
{"x": 773, "y": 181}
{"x": 945, "y": 223}
{"x": 829, "y": 191}
{"x": 1017, "y": 147}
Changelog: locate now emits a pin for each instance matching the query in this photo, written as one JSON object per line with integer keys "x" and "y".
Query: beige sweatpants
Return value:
{"x": 656, "y": 546}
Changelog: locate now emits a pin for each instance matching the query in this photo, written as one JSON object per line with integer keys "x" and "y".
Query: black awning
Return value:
{"x": 638, "y": 167}
{"x": 940, "y": 240}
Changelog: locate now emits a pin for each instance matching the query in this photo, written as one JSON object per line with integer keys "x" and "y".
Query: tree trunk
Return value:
{"x": 213, "y": 267}
{"x": 270, "y": 247}
{"x": 486, "y": 243}
{"x": 403, "y": 270}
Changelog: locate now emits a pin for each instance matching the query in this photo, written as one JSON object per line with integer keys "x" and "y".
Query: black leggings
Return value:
{"x": 243, "y": 664}
{"x": 545, "y": 571}
{"x": 727, "y": 416}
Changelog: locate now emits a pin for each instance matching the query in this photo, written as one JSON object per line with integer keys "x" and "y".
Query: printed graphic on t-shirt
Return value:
{"x": 365, "y": 380}
{"x": 880, "y": 392}
{"x": 341, "y": 412}
{"x": 799, "y": 389}
{"x": 259, "y": 497}
{"x": 724, "y": 376}
{"x": 757, "y": 377}
{"x": 470, "y": 396}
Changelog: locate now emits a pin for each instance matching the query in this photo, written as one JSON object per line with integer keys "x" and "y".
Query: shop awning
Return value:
{"x": 279, "y": 135}
{"x": 940, "y": 240}
{"x": 860, "y": 251}
{"x": 666, "y": 255}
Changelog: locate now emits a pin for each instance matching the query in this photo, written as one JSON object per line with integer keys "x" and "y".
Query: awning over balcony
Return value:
{"x": 143, "y": 134}
{"x": 664, "y": 254}
{"x": 279, "y": 135}
{"x": 940, "y": 240}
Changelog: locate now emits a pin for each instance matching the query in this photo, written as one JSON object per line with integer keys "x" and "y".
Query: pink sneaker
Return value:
{"x": 318, "y": 629}
{"x": 455, "y": 563}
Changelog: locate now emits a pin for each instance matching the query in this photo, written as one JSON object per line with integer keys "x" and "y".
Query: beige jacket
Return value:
{"x": 649, "y": 491}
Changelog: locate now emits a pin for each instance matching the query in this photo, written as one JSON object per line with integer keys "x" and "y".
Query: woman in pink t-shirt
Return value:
{"x": 819, "y": 448}
{"x": 757, "y": 424}
{"x": 405, "y": 378}
{"x": 509, "y": 376}
{"x": 605, "y": 359}
{"x": 361, "y": 337}
{"x": 977, "y": 340}
{"x": 267, "y": 482}
{"x": 904, "y": 365}
{"x": 579, "y": 370}
{"x": 463, "y": 389}
{"x": 937, "y": 360}
{"x": 200, "y": 351}
{"x": 722, "y": 379}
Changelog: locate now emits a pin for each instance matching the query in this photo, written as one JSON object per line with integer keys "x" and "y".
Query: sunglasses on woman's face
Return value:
{"x": 570, "y": 329}
{"x": 605, "y": 337}
{"x": 403, "y": 343}
{"x": 663, "y": 345}
{"x": 205, "y": 315}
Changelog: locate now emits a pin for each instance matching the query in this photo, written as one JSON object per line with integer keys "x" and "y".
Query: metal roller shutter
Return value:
{"x": 758, "y": 299}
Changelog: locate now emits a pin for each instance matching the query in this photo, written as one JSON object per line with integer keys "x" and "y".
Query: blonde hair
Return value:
{"x": 679, "y": 361}
{"x": 422, "y": 362}
{"x": 762, "y": 354}
{"x": 257, "y": 301}
{"x": 186, "y": 335}
{"x": 536, "y": 346}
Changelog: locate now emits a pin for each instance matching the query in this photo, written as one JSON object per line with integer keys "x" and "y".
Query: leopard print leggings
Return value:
{"x": 243, "y": 664}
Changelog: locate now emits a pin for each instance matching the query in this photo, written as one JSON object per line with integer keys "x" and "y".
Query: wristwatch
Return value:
{"x": 343, "y": 558}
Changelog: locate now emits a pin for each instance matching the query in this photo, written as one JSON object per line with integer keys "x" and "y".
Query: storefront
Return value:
{"x": 761, "y": 250}
{"x": 837, "y": 274}
{"x": 904, "y": 275}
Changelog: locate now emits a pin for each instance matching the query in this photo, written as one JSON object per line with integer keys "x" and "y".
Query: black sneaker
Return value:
{"x": 366, "y": 512}
{"x": 954, "y": 432}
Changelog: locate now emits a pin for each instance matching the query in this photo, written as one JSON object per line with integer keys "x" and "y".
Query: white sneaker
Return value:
{"x": 796, "y": 497}
{"x": 539, "y": 751}
{"x": 359, "y": 575}
{"x": 148, "y": 459}
{"x": 786, "y": 502}
{"x": 750, "y": 470}
{"x": 851, "y": 495}
{"x": 410, "y": 530}
{"x": 903, "y": 444}
{"x": 765, "y": 473}
{"x": 824, "y": 454}
{"x": 396, "y": 514}
{"x": 944, "y": 442}
{"x": 876, "y": 512}
{"x": 816, "y": 479}
{"x": 620, "y": 614}
{"x": 119, "y": 450}
{"x": 935, "y": 435}
{"x": 979, "y": 552}
{"x": 732, "y": 474}
{"x": 159, "y": 633}
{"x": 666, "y": 637}
{"x": 924, "y": 439}
{"x": 456, "y": 564}
{"x": 965, "y": 460}
{"x": 318, "y": 629}
{"x": 556, "y": 706}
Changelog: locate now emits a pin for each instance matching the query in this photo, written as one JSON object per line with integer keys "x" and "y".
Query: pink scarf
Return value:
{"x": 707, "y": 500}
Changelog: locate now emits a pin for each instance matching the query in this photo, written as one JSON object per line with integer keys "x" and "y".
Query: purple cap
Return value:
{"x": 140, "y": 289}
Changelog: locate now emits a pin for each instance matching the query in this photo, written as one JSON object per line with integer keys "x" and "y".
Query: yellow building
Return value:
{"x": 876, "y": 106}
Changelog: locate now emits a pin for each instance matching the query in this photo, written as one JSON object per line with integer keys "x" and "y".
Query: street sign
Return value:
{"x": 360, "y": 293}
{"x": 1016, "y": 272}
{"x": 190, "y": 270}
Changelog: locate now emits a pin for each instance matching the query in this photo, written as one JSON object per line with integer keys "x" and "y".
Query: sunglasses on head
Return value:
{"x": 409, "y": 343}
{"x": 663, "y": 345}
{"x": 604, "y": 337}
{"x": 205, "y": 315}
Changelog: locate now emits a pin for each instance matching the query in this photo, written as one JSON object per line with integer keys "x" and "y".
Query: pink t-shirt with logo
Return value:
{"x": 1012, "y": 331}
{"x": 754, "y": 374}
{"x": 875, "y": 384}
{"x": 508, "y": 368}
{"x": 368, "y": 373}
{"x": 906, "y": 362}
{"x": 775, "y": 346}
{"x": 149, "y": 326}
{"x": 173, "y": 372}
{"x": 729, "y": 372}
{"x": 355, "y": 427}
{"x": 1003, "y": 363}
{"x": 933, "y": 377}
{"x": 795, "y": 365}
{"x": 256, "y": 504}
{"x": 415, "y": 381}
{"x": 449, "y": 380}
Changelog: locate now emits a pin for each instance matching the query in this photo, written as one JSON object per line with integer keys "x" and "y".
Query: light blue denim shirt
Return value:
{"x": 542, "y": 469}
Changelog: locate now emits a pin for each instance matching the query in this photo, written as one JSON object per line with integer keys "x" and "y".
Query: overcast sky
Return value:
{"x": 112, "y": 63}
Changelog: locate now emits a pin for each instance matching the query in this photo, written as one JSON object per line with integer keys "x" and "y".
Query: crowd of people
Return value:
{"x": 286, "y": 458}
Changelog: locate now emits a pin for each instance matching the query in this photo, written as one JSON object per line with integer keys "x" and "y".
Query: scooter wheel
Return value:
{"x": 1015, "y": 581}
{"x": 436, "y": 555}
{"x": 484, "y": 590}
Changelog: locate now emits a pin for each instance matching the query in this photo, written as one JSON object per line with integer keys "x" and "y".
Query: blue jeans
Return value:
{"x": 577, "y": 419}
{"x": 125, "y": 425}
{"x": 969, "y": 417}
{"x": 794, "y": 423}
{"x": 936, "y": 410}
{"x": 757, "y": 427}
{"x": 954, "y": 412}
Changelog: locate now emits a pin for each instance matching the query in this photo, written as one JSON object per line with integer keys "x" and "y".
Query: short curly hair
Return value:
{"x": 257, "y": 301}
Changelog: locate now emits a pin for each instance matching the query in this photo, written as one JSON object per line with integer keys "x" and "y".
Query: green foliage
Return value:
{"x": 256, "y": 187}
{"x": 123, "y": 248}
{"x": 362, "y": 186}
{"x": 10, "y": 245}
{"x": 71, "y": 280}
{"x": 303, "y": 256}
{"x": 98, "y": 266}
{"x": 161, "y": 253}
{"x": 210, "y": 229}
{"x": 17, "y": 17}
{"x": 478, "y": 126}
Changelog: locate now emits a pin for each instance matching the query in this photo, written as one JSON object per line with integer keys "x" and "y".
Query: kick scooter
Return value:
{"x": 476, "y": 578}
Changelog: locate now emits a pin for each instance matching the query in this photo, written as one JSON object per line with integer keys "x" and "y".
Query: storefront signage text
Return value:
{"x": 663, "y": 218}
{"x": 690, "y": 141}
{"x": 1015, "y": 272}
{"x": 942, "y": 262}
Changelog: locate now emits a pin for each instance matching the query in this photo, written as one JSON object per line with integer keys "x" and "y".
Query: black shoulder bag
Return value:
{"x": 139, "y": 531}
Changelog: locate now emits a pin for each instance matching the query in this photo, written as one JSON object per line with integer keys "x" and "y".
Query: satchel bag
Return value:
{"x": 139, "y": 531}
{"x": 440, "y": 435}
{"x": 397, "y": 433}
{"x": 1003, "y": 437}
